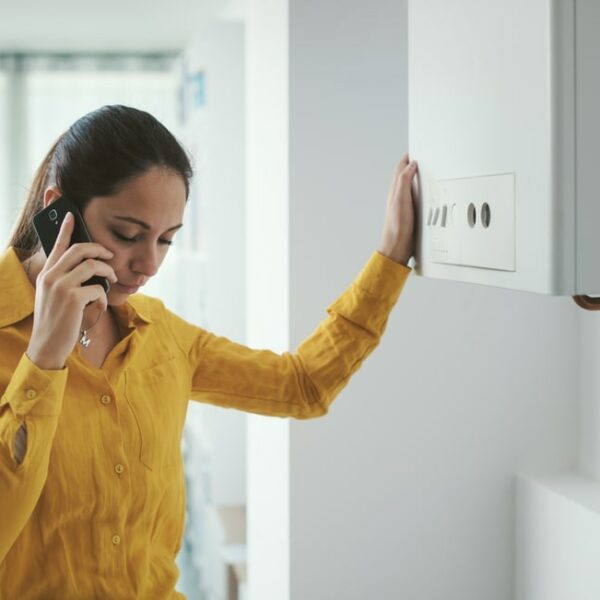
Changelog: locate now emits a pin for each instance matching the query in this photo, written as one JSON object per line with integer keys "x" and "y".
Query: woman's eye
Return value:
{"x": 122, "y": 237}
{"x": 132, "y": 240}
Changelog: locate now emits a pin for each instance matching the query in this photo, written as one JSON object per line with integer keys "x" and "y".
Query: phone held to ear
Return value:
{"x": 47, "y": 224}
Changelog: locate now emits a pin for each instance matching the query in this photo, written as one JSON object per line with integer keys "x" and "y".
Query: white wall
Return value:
{"x": 407, "y": 488}
{"x": 589, "y": 376}
{"x": 558, "y": 514}
{"x": 558, "y": 538}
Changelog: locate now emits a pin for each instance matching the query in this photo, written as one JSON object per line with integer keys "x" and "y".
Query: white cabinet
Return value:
{"x": 503, "y": 121}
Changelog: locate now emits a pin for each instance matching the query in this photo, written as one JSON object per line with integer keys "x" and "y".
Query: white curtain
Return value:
{"x": 4, "y": 154}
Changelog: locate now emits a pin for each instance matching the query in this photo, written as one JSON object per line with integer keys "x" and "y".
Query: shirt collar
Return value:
{"x": 17, "y": 295}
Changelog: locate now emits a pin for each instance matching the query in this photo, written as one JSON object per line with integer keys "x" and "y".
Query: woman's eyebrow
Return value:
{"x": 142, "y": 224}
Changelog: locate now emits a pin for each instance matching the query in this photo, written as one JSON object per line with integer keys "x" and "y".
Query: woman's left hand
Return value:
{"x": 397, "y": 239}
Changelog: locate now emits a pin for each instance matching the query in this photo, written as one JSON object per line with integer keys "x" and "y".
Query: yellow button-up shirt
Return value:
{"x": 96, "y": 507}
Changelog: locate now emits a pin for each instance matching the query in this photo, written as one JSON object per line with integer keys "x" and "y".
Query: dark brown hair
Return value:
{"x": 96, "y": 156}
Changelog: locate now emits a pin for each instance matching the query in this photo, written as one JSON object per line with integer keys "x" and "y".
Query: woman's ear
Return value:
{"x": 51, "y": 194}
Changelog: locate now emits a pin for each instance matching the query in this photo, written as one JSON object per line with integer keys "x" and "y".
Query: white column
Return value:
{"x": 267, "y": 160}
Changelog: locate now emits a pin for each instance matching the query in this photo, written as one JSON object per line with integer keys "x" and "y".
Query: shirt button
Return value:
{"x": 30, "y": 393}
{"x": 116, "y": 540}
{"x": 105, "y": 399}
{"x": 119, "y": 468}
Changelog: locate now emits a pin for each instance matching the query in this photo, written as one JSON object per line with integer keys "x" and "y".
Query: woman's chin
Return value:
{"x": 117, "y": 298}
{"x": 118, "y": 293}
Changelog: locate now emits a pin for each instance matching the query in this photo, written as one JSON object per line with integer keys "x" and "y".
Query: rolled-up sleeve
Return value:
{"x": 302, "y": 384}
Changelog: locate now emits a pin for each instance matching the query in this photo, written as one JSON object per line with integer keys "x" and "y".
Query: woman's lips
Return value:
{"x": 127, "y": 288}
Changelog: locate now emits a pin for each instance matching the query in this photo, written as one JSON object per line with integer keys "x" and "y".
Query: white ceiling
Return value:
{"x": 107, "y": 25}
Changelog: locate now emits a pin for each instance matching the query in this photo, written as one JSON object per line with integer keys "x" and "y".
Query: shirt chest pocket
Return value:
{"x": 157, "y": 399}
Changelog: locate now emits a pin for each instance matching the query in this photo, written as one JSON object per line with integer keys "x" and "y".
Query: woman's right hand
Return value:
{"x": 60, "y": 298}
{"x": 398, "y": 237}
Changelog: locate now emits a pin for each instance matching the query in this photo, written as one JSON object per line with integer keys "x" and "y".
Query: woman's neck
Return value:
{"x": 33, "y": 265}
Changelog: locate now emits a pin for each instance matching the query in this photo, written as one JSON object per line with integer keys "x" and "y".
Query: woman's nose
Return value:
{"x": 146, "y": 263}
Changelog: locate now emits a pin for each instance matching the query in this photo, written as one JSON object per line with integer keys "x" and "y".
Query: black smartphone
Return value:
{"x": 47, "y": 224}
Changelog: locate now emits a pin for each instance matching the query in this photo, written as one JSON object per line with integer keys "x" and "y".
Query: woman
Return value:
{"x": 91, "y": 481}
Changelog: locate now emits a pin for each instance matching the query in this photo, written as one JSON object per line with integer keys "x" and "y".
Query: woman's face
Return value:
{"x": 148, "y": 210}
